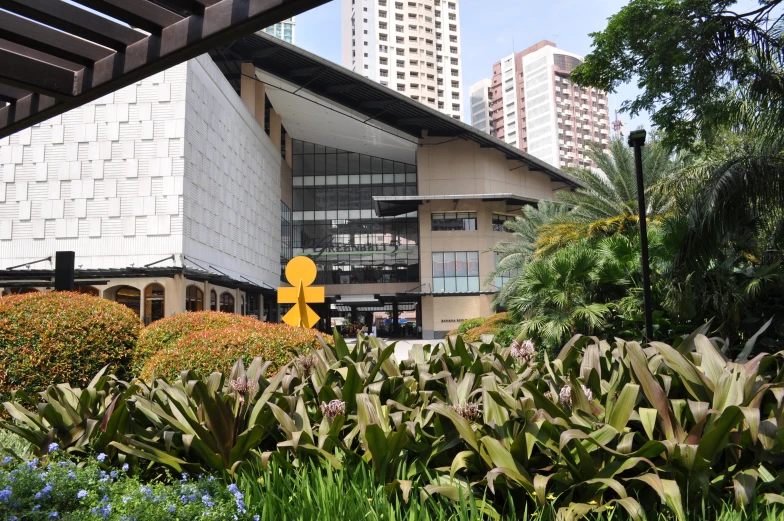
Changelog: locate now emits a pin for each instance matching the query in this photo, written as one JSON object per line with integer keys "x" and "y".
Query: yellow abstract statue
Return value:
{"x": 301, "y": 273}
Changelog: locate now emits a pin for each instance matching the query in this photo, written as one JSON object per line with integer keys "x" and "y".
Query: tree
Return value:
{"x": 608, "y": 204}
{"x": 689, "y": 57}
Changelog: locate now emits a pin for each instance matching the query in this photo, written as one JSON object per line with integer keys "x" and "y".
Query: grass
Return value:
{"x": 313, "y": 493}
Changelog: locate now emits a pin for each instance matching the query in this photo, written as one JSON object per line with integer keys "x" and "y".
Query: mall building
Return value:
{"x": 191, "y": 189}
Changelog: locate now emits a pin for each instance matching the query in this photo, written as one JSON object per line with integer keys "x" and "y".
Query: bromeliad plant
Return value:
{"x": 603, "y": 425}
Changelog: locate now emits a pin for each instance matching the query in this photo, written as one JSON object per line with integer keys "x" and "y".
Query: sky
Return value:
{"x": 491, "y": 30}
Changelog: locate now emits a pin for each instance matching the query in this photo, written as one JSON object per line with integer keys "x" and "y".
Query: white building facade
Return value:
{"x": 170, "y": 172}
{"x": 285, "y": 30}
{"x": 410, "y": 46}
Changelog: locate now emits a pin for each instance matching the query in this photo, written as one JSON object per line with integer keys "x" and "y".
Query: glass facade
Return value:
{"x": 456, "y": 272}
{"x": 506, "y": 277}
{"x": 453, "y": 221}
{"x": 334, "y": 222}
{"x": 285, "y": 238}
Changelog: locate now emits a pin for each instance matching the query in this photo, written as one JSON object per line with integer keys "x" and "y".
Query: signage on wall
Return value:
{"x": 326, "y": 247}
{"x": 453, "y": 320}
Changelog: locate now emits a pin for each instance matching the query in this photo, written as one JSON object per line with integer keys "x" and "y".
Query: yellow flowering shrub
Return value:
{"x": 212, "y": 350}
{"x": 164, "y": 333}
{"x": 62, "y": 337}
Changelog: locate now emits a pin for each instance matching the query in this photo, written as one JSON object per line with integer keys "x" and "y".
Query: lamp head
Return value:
{"x": 637, "y": 138}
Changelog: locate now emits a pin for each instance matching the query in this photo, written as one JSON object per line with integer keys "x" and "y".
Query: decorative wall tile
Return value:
{"x": 39, "y": 228}
{"x": 21, "y": 191}
{"x": 114, "y": 207}
{"x": 8, "y": 173}
{"x": 25, "y": 208}
{"x": 42, "y": 171}
{"x": 80, "y": 207}
{"x": 131, "y": 168}
{"x": 96, "y": 168}
{"x": 129, "y": 226}
{"x": 6, "y": 229}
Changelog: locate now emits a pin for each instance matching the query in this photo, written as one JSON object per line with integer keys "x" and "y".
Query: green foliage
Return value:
{"x": 465, "y": 325}
{"x": 689, "y": 57}
{"x": 603, "y": 425}
{"x": 163, "y": 334}
{"x": 206, "y": 350}
{"x": 62, "y": 337}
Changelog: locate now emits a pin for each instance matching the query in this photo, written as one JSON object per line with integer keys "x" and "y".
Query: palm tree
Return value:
{"x": 554, "y": 296}
{"x": 519, "y": 250}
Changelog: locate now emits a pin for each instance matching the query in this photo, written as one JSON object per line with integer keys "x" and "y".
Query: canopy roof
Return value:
{"x": 388, "y": 205}
{"x": 380, "y": 105}
{"x": 55, "y": 55}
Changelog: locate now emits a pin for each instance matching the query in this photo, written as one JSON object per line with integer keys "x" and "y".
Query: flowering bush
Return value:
{"x": 164, "y": 333}
{"x": 62, "y": 337}
{"x": 61, "y": 489}
{"x": 465, "y": 325}
{"x": 500, "y": 325}
{"x": 212, "y": 350}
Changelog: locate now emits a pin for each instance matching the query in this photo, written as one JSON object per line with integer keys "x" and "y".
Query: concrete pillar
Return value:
{"x": 395, "y": 320}
{"x": 248, "y": 88}
{"x": 289, "y": 151}
{"x": 275, "y": 131}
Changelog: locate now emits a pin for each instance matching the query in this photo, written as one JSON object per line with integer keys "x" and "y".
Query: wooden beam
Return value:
{"x": 76, "y": 21}
{"x": 38, "y": 76}
{"x": 11, "y": 94}
{"x": 50, "y": 41}
{"x": 220, "y": 24}
{"x": 136, "y": 13}
{"x": 24, "y": 108}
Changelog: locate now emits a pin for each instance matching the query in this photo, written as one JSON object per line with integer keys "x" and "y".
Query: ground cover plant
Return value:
{"x": 603, "y": 426}
{"x": 62, "y": 337}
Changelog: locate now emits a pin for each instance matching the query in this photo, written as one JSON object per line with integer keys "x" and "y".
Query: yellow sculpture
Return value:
{"x": 301, "y": 273}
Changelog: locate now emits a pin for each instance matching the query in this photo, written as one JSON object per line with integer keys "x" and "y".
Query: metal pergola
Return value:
{"x": 55, "y": 55}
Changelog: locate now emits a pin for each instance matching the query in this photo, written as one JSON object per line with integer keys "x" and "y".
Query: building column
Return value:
{"x": 395, "y": 320}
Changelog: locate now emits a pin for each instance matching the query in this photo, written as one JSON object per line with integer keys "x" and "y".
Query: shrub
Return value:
{"x": 500, "y": 325}
{"x": 62, "y": 337}
{"x": 164, "y": 333}
{"x": 465, "y": 325}
{"x": 212, "y": 350}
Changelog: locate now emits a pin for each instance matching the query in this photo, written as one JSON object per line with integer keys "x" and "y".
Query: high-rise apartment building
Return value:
{"x": 283, "y": 30}
{"x": 412, "y": 46}
{"x": 532, "y": 104}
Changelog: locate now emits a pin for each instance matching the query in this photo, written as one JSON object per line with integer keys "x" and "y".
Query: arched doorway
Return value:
{"x": 154, "y": 301}
{"x": 194, "y": 299}
{"x": 18, "y": 291}
{"x": 213, "y": 301}
{"x": 87, "y": 290}
{"x": 129, "y": 297}
{"x": 227, "y": 302}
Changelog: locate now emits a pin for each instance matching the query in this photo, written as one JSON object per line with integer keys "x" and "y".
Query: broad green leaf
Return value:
{"x": 461, "y": 424}
{"x": 648, "y": 419}
{"x": 623, "y": 407}
{"x": 651, "y": 388}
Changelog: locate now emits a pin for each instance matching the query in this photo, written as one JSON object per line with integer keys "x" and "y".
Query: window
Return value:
{"x": 154, "y": 303}
{"x": 498, "y": 222}
{"x": 213, "y": 301}
{"x": 456, "y": 272}
{"x": 227, "y": 302}
{"x": 454, "y": 221}
{"x": 503, "y": 279}
{"x": 194, "y": 299}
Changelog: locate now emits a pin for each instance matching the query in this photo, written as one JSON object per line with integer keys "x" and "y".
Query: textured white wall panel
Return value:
{"x": 232, "y": 180}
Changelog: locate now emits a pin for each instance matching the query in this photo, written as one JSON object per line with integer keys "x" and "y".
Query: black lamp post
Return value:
{"x": 637, "y": 140}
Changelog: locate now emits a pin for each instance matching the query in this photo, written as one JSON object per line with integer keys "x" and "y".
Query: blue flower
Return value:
{"x": 126, "y": 499}
{"x": 102, "y": 511}
{"x": 36, "y": 508}
{"x": 207, "y": 500}
{"x": 13, "y": 518}
{"x": 81, "y": 494}
{"x": 125, "y": 467}
{"x": 71, "y": 475}
{"x": 171, "y": 508}
{"x": 146, "y": 491}
{"x": 184, "y": 500}
{"x": 240, "y": 505}
{"x": 100, "y": 457}
{"x": 32, "y": 463}
{"x": 44, "y": 492}
{"x": 113, "y": 474}
{"x": 256, "y": 517}
{"x": 54, "y": 515}
{"x": 62, "y": 463}
{"x": 54, "y": 447}
{"x": 5, "y": 495}
{"x": 185, "y": 476}
{"x": 7, "y": 460}
{"x": 233, "y": 488}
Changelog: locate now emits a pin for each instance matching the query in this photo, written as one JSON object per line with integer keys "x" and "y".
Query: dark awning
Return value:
{"x": 55, "y": 56}
{"x": 388, "y": 205}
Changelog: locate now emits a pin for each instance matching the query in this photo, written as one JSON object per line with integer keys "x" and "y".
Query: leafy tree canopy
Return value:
{"x": 689, "y": 58}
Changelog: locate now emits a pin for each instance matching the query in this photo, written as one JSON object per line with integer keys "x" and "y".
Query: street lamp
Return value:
{"x": 637, "y": 141}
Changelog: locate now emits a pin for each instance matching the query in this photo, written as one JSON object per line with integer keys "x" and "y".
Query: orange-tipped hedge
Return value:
{"x": 62, "y": 337}
{"x": 211, "y": 350}
{"x": 164, "y": 333}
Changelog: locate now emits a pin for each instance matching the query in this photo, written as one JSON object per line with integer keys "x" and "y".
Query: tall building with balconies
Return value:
{"x": 533, "y": 105}
{"x": 283, "y": 30}
{"x": 410, "y": 46}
